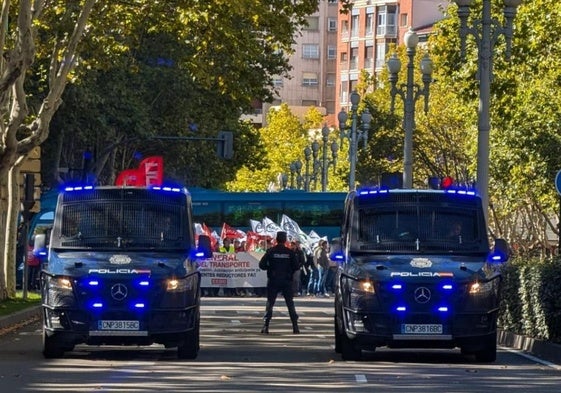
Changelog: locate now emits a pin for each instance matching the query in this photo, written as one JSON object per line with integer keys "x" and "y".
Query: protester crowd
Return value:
{"x": 315, "y": 276}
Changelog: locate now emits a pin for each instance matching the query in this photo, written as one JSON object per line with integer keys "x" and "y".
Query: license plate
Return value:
{"x": 408, "y": 328}
{"x": 118, "y": 325}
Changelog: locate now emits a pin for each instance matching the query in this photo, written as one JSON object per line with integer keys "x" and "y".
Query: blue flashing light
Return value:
{"x": 447, "y": 287}
{"x": 168, "y": 188}
{"x": 401, "y": 308}
{"x": 459, "y": 191}
{"x": 373, "y": 191}
{"x": 97, "y": 305}
{"x": 339, "y": 257}
{"x": 93, "y": 283}
{"x": 443, "y": 309}
{"x": 78, "y": 188}
{"x": 199, "y": 254}
{"x": 397, "y": 286}
{"x": 139, "y": 305}
{"x": 144, "y": 283}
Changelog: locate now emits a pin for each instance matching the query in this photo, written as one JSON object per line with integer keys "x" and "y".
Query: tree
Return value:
{"x": 21, "y": 129}
{"x": 230, "y": 50}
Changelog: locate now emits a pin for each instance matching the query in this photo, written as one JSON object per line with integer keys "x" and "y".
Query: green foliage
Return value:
{"x": 156, "y": 68}
{"x": 531, "y": 298}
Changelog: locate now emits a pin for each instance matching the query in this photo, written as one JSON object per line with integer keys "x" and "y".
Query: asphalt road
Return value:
{"x": 235, "y": 357}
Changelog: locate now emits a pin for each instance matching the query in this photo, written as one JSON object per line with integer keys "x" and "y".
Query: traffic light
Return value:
{"x": 225, "y": 145}
{"x": 28, "y": 191}
{"x": 392, "y": 180}
{"x": 87, "y": 164}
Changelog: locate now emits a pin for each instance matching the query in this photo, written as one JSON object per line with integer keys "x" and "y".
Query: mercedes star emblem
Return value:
{"x": 422, "y": 295}
{"x": 119, "y": 291}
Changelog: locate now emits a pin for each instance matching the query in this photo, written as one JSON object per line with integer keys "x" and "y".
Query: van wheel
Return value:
{"x": 489, "y": 354}
{"x": 349, "y": 351}
{"x": 52, "y": 348}
{"x": 189, "y": 348}
{"x": 337, "y": 336}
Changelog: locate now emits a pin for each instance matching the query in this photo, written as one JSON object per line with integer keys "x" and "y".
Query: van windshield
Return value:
{"x": 121, "y": 224}
{"x": 419, "y": 228}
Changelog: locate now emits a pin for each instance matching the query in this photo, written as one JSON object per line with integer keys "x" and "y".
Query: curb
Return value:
{"x": 18, "y": 319}
{"x": 542, "y": 349}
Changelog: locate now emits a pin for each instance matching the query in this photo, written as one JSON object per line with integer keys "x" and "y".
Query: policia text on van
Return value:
{"x": 416, "y": 271}
{"x": 122, "y": 270}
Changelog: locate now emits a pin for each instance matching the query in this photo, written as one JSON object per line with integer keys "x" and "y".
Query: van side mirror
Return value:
{"x": 501, "y": 252}
{"x": 204, "y": 249}
{"x": 40, "y": 244}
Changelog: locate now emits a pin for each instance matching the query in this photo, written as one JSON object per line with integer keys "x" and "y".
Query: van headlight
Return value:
{"x": 60, "y": 283}
{"x": 178, "y": 284}
{"x": 481, "y": 288}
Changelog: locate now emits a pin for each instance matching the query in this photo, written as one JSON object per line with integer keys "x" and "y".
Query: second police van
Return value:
{"x": 416, "y": 271}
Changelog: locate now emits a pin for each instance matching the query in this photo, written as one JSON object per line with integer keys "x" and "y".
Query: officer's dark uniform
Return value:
{"x": 280, "y": 262}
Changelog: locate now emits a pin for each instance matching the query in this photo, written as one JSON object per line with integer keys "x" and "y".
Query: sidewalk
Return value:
{"x": 541, "y": 349}
{"x": 13, "y": 321}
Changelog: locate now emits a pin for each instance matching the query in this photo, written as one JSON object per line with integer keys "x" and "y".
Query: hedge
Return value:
{"x": 531, "y": 298}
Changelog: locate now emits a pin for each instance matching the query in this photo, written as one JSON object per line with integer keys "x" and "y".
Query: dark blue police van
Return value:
{"x": 416, "y": 271}
{"x": 122, "y": 270}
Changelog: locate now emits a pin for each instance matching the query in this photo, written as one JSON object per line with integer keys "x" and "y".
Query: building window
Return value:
{"x": 310, "y": 51}
{"x": 386, "y": 21}
{"x": 278, "y": 81}
{"x": 380, "y": 55}
{"x": 354, "y": 26}
{"x": 309, "y": 103}
{"x": 403, "y": 20}
{"x": 333, "y": 2}
{"x": 310, "y": 79}
{"x": 312, "y": 23}
{"x": 331, "y": 52}
{"x": 369, "y": 57}
{"x": 354, "y": 59}
{"x": 332, "y": 24}
{"x": 344, "y": 57}
{"x": 369, "y": 24}
{"x": 330, "y": 81}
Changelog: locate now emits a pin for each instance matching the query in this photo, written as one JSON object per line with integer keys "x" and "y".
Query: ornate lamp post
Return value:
{"x": 409, "y": 92}
{"x": 485, "y": 32}
{"x": 312, "y": 160}
{"x": 354, "y": 133}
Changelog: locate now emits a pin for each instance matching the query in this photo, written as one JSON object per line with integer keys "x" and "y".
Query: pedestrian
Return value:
{"x": 323, "y": 267}
{"x": 33, "y": 266}
{"x": 301, "y": 257}
{"x": 280, "y": 262}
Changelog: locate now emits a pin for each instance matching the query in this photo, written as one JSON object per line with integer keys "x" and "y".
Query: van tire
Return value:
{"x": 52, "y": 348}
{"x": 338, "y": 337}
{"x": 189, "y": 348}
{"x": 349, "y": 351}
{"x": 489, "y": 353}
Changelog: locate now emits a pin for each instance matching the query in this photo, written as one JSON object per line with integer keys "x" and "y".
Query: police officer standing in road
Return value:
{"x": 280, "y": 262}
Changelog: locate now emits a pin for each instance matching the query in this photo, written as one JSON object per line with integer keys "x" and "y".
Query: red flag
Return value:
{"x": 128, "y": 177}
{"x": 208, "y": 232}
{"x": 252, "y": 240}
{"x": 152, "y": 171}
{"x": 230, "y": 233}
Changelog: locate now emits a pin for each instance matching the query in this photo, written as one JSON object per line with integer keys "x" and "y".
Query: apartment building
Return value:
{"x": 367, "y": 32}
{"x": 330, "y": 53}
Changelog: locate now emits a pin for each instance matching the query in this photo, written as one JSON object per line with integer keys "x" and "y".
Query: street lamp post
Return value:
{"x": 485, "y": 32}
{"x": 354, "y": 133}
{"x": 409, "y": 92}
{"x": 326, "y": 161}
{"x": 312, "y": 160}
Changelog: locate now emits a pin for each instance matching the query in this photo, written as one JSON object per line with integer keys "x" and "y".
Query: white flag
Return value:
{"x": 257, "y": 227}
{"x": 270, "y": 227}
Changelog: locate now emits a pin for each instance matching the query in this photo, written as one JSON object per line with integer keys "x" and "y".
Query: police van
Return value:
{"x": 122, "y": 270}
{"x": 416, "y": 271}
